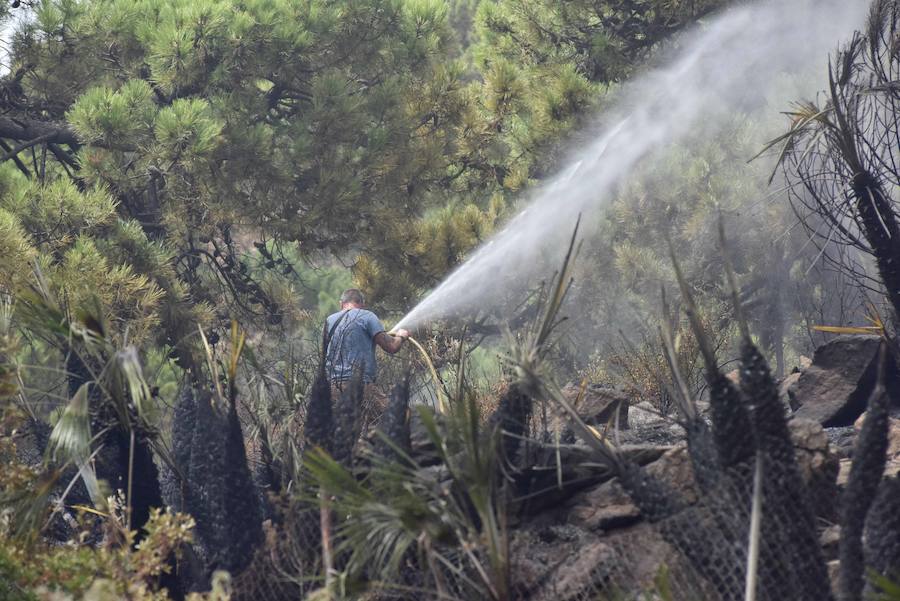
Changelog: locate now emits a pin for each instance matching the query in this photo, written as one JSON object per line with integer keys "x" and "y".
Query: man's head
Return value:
{"x": 352, "y": 298}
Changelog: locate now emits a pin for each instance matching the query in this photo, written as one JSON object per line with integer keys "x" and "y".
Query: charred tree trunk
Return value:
{"x": 117, "y": 458}
{"x": 797, "y": 543}
{"x": 347, "y": 414}
{"x": 394, "y": 424}
{"x": 218, "y": 490}
{"x": 879, "y": 225}
{"x": 883, "y": 530}
{"x": 318, "y": 430}
{"x": 731, "y": 425}
{"x": 704, "y": 455}
{"x": 511, "y": 417}
{"x": 867, "y": 469}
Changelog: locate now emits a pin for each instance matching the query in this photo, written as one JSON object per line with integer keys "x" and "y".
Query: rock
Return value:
{"x": 812, "y": 447}
{"x": 605, "y": 507}
{"x": 649, "y": 427}
{"x": 645, "y": 415}
{"x": 599, "y": 405}
{"x": 702, "y": 407}
{"x": 829, "y": 540}
{"x": 787, "y": 391}
{"x": 566, "y": 563}
{"x": 892, "y": 465}
{"x": 644, "y": 558}
{"x": 834, "y": 574}
{"x": 608, "y": 507}
{"x": 844, "y": 472}
{"x": 674, "y": 469}
{"x": 841, "y": 440}
{"x": 893, "y": 449}
{"x": 557, "y": 563}
{"x": 819, "y": 467}
{"x": 642, "y": 454}
{"x": 891, "y": 469}
{"x": 835, "y": 389}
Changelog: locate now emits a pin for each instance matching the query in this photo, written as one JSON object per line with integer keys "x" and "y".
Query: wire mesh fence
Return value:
{"x": 702, "y": 552}
{"x": 698, "y": 553}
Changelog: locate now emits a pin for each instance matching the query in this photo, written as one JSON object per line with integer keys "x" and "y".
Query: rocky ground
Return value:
{"x": 588, "y": 532}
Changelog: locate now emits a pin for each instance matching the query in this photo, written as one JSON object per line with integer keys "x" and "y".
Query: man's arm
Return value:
{"x": 391, "y": 343}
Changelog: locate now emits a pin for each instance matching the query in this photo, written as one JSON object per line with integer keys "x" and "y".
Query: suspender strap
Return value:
{"x": 327, "y": 334}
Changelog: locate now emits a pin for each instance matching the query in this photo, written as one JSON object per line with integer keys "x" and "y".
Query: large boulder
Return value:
{"x": 787, "y": 386}
{"x": 834, "y": 390}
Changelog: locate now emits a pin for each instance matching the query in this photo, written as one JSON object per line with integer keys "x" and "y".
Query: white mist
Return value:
{"x": 731, "y": 61}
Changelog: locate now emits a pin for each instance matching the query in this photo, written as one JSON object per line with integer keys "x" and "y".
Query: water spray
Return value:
{"x": 729, "y": 63}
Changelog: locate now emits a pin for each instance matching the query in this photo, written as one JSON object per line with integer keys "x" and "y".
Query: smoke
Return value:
{"x": 730, "y": 63}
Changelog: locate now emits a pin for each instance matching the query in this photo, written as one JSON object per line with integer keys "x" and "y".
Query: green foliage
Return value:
{"x": 186, "y": 131}
{"x": 401, "y": 511}
{"x": 341, "y": 127}
{"x": 431, "y": 247}
{"x": 886, "y": 589}
{"x": 84, "y": 275}
{"x": 540, "y": 68}
{"x": 55, "y": 214}
{"x": 195, "y": 117}
{"x": 28, "y": 570}
{"x": 16, "y": 250}
{"x": 323, "y": 287}
{"x": 115, "y": 117}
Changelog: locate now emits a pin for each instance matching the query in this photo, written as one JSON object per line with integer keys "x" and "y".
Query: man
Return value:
{"x": 351, "y": 335}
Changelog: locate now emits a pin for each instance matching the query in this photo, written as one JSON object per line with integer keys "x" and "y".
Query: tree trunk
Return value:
{"x": 879, "y": 225}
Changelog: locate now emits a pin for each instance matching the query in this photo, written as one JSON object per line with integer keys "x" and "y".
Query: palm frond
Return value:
{"x": 70, "y": 439}
{"x": 213, "y": 370}
{"x": 806, "y": 118}
{"x": 131, "y": 385}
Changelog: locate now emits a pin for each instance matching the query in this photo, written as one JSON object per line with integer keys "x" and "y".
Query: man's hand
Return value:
{"x": 391, "y": 342}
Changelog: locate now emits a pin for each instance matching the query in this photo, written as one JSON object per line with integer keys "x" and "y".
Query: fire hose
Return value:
{"x": 438, "y": 385}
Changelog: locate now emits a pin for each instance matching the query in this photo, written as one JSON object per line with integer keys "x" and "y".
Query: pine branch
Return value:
{"x": 29, "y": 129}
{"x": 21, "y": 166}
{"x": 26, "y": 145}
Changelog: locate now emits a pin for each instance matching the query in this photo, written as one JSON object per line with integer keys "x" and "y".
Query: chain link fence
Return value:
{"x": 698, "y": 553}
